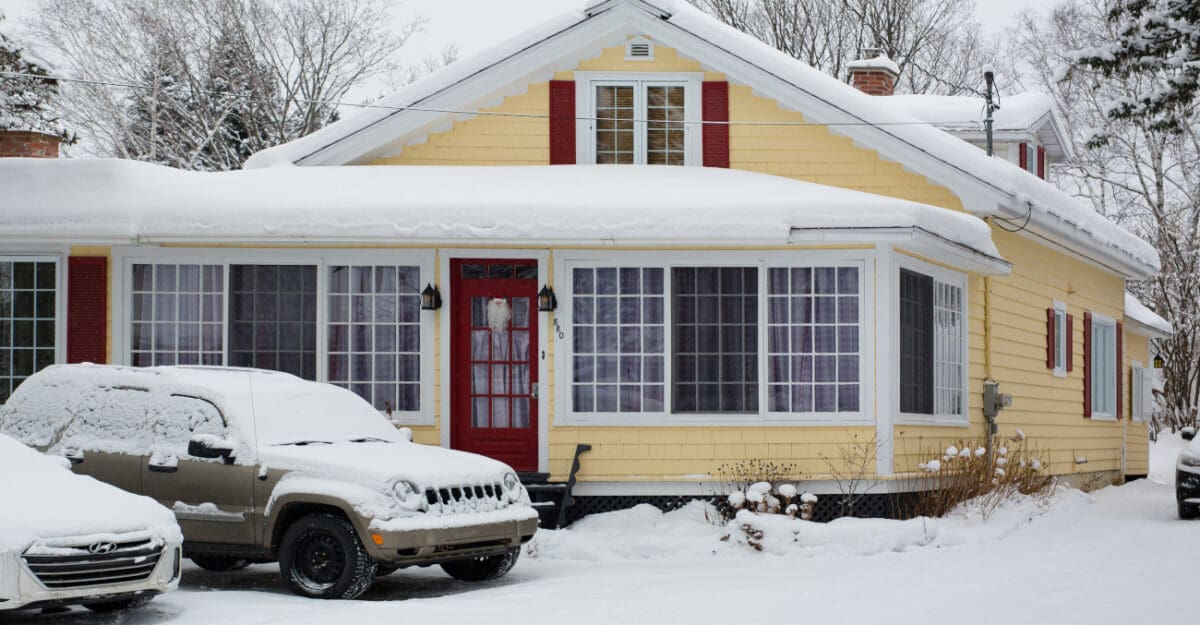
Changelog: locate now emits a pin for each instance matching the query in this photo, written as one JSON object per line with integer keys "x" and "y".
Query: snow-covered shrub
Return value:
{"x": 762, "y": 508}
{"x": 965, "y": 472}
{"x": 757, "y": 485}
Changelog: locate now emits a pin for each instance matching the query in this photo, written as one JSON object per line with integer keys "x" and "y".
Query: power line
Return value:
{"x": 422, "y": 109}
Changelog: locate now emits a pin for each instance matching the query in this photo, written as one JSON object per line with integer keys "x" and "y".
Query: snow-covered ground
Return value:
{"x": 1118, "y": 555}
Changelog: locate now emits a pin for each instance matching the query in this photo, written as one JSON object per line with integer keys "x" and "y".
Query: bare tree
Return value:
{"x": 202, "y": 84}
{"x": 1142, "y": 177}
{"x": 937, "y": 43}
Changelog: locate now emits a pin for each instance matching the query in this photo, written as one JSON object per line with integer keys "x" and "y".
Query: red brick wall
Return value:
{"x": 873, "y": 81}
{"x": 28, "y": 144}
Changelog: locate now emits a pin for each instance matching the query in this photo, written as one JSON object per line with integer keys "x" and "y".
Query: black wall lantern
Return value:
{"x": 1158, "y": 361}
{"x": 431, "y": 299}
{"x": 546, "y": 299}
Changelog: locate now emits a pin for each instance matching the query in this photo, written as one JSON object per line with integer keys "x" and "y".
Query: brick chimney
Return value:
{"x": 28, "y": 144}
{"x": 875, "y": 75}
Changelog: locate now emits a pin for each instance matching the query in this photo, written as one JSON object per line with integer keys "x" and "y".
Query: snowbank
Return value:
{"x": 645, "y": 532}
{"x": 1139, "y": 312}
{"x": 132, "y": 201}
{"x": 40, "y": 499}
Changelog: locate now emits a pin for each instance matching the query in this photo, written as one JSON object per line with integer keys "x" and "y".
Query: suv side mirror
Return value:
{"x": 209, "y": 446}
{"x": 1187, "y": 433}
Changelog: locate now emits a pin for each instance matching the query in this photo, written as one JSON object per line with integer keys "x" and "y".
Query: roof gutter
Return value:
{"x": 914, "y": 239}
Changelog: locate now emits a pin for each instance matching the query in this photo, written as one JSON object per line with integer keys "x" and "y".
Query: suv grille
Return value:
{"x": 68, "y": 564}
{"x": 466, "y": 498}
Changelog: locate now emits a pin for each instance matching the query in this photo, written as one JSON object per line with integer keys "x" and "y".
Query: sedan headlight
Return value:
{"x": 407, "y": 494}
{"x": 1189, "y": 460}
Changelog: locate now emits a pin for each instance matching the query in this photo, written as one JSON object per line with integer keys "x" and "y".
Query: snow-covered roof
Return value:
{"x": 105, "y": 199}
{"x": 1138, "y": 312}
{"x": 988, "y": 186}
{"x": 1021, "y": 116}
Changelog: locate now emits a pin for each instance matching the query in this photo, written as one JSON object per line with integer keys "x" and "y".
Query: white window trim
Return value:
{"x": 1031, "y": 152}
{"x": 1137, "y": 390}
{"x": 125, "y": 258}
{"x": 946, "y": 276}
{"x": 59, "y": 258}
{"x": 585, "y": 111}
{"x": 1060, "y": 334}
{"x": 1099, "y": 320}
{"x": 564, "y": 261}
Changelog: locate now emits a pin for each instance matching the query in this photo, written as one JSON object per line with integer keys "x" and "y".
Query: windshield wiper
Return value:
{"x": 303, "y": 443}
{"x": 369, "y": 439}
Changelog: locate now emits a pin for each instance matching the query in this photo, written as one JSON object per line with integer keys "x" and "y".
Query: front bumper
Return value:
{"x": 21, "y": 588}
{"x": 433, "y": 539}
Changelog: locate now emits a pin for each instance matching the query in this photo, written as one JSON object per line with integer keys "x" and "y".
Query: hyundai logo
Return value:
{"x": 102, "y": 548}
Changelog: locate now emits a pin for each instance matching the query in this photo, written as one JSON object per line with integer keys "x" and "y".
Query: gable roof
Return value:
{"x": 986, "y": 186}
{"x": 1146, "y": 321}
{"x": 1021, "y": 116}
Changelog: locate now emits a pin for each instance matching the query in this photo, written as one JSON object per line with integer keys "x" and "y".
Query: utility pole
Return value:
{"x": 992, "y": 107}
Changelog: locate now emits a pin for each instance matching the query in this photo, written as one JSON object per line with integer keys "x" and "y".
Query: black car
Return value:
{"x": 1187, "y": 477}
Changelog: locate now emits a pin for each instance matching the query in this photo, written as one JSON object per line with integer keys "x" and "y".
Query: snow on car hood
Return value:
{"x": 40, "y": 498}
{"x": 377, "y": 464}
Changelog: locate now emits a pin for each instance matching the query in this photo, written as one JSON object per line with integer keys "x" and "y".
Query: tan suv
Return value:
{"x": 261, "y": 466}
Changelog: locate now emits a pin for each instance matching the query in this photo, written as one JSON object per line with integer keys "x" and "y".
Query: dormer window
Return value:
{"x": 1032, "y": 158}
{"x": 639, "y": 119}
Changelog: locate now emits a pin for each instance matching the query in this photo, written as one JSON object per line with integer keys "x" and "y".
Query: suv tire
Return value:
{"x": 219, "y": 564}
{"x": 120, "y": 604}
{"x": 483, "y": 568}
{"x": 321, "y": 557}
{"x": 1188, "y": 512}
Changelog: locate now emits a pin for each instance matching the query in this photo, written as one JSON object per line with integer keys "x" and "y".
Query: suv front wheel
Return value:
{"x": 483, "y": 568}
{"x": 321, "y": 557}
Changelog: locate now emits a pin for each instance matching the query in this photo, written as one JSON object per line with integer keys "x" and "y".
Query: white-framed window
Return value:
{"x": 679, "y": 338}
{"x": 350, "y": 319}
{"x": 1141, "y": 393}
{"x": 1104, "y": 368}
{"x": 638, "y": 118}
{"x": 931, "y": 343}
{"x": 30, "y": 311}
{"x": 1060, "y": 339}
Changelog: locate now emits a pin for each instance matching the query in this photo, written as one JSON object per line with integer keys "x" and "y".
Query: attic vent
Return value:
{"x": 639, "y": 49}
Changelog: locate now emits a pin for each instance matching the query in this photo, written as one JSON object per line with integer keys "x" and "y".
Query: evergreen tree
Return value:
{"x": 26, "y": 100}
{"x": 1157, "y": 39}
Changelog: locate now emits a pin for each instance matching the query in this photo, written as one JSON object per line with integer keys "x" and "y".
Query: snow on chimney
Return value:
{"x": 875, "y": 75}
{"x": 28, "y": 144}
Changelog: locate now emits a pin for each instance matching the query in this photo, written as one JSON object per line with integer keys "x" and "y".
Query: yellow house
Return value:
{"x": 633, "y": 229}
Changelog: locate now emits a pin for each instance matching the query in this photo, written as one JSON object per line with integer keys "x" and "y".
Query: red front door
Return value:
{"x": 493, "y": 361}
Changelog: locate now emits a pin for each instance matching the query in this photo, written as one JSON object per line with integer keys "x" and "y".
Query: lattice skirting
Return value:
{"x": 893, "y": 506}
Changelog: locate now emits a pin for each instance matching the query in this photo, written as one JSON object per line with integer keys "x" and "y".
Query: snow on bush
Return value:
{"x": 985, "y": 480}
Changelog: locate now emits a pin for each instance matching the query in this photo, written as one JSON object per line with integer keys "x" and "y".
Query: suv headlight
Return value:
{"x": 511, "y": 481}
{"x": 1189, "y": 460}
{"x": 407, "y": 494}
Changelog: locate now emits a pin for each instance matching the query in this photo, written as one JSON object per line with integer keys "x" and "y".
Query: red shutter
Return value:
{"x": 1050, "y": 338}
{"x": 1070, "y": 343}
{"x": 87, "y": 308}
{"x": 1120, "y": 369}
{"x": 715, "y": 102}
{"x": 562, "y": 122}
{"x": 1041, "y": 162}
{"x": 1021, "y": 156}
{"x": 1087, "y": 365}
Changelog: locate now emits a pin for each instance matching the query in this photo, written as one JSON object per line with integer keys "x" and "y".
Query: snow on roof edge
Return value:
{"x": 132, "y": 200}
{"x": 1141, "y": 313}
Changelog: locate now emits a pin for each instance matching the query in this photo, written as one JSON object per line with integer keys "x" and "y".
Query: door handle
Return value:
{"x": 74, "y": 455}
{"x": 168, "y": 464}
{"x": 534, "y": 391}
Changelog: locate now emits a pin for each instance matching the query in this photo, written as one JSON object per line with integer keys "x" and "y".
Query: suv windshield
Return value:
{"x": 289, "y": 411}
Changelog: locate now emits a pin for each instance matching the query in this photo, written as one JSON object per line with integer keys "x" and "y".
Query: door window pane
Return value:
{"x": 716, "y": 366}
{"x": 374, "y": 321}
{"x": 176, "y": 314}
{"x": 608, "y": 318}
{"x": 272, "y": 312}
{"x": 27, "y": 320}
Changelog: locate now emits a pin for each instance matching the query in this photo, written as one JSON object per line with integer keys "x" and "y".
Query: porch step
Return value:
{"x": 546, "y": 498}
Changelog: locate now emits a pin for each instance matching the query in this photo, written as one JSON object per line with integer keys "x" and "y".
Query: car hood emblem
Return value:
{"x": 102, "y": 548}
